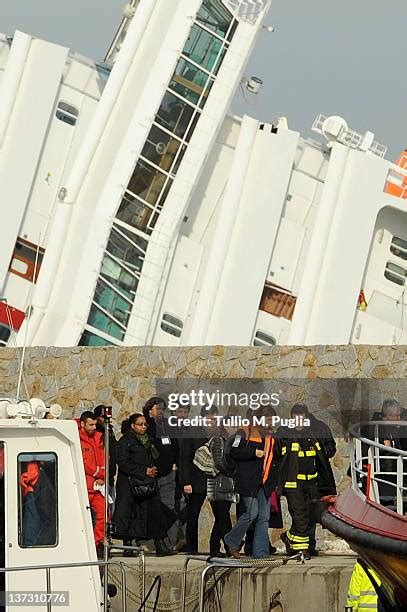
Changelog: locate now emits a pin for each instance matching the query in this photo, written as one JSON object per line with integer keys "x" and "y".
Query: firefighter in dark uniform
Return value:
{"x": 302, "y": 462}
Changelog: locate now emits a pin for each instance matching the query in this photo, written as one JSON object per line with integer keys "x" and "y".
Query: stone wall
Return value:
{"x": 78, "y": 378}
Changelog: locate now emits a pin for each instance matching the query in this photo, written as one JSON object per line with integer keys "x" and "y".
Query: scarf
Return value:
{"x": 145, "y": 440}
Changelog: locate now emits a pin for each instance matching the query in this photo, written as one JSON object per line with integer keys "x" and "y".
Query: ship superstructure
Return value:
{"x": 167, "y": 220}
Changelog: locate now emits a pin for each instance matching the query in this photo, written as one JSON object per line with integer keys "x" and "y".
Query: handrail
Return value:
{"x": 48, "y": 567}
{"x": 378, "y": 476}
{"x": 370, "y": 442}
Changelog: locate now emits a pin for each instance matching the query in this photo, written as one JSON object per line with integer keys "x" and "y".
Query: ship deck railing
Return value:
{"x": 378, "y": 471}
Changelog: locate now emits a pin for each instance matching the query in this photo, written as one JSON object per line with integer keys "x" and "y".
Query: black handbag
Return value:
{"x": 143, "y": 488}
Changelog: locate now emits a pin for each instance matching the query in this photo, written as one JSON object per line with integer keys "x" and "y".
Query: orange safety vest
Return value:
{"x": 253, "y": 435}
{"x": 399, "y": 190}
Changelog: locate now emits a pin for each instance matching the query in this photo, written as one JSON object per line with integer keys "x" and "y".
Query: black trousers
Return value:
{"x": 299, "y": 507}
{"x": 222, "y": 524}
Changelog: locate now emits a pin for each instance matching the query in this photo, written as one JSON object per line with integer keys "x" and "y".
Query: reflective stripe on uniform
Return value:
{"x": 284, "y": 450}
{"x": 303, "y": 546}
{"x": 290, "y": 485}
{"x": 317, "y": 445}
{"x": 295, "y": 446}
{"x": 307, "y": 476}
{"x": 309, "y": 453}
{"x": 364, "y": 606}
{"x": 296, "y": 538}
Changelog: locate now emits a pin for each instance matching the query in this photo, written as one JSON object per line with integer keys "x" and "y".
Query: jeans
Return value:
{"x": 255, "y": 509}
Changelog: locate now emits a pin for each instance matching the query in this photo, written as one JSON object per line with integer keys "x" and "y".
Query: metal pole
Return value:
{"x": 49, "y": 603}
{"x": 107, "y": 415}
{"x": 239, "y": 589}
{"x": 202, "y": 593}
{"x": 143, "y": 577}
{"x": 184, "y": 584}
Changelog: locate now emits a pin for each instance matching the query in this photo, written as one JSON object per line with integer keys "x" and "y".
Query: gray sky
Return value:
{"x": 340, "y": 57}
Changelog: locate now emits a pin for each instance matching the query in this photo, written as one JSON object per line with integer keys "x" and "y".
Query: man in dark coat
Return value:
{"x": 168, "y": 450}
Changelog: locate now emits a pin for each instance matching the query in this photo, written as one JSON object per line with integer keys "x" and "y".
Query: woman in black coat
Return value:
{"x": 133, "y": 519}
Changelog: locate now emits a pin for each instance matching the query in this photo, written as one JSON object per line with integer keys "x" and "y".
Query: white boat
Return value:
{"x": 136, "y": 209}
{"x": 45, "y": 518}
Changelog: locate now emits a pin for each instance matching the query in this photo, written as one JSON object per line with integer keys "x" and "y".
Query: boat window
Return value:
{"x": 204, "y": 49}
{"x": 395, "y": 274}
{"x": 399, "y": 247}
{"x": 172, "y": 325}
{"x": 90, "y": 339}
{"x": 37, "y": 500}
{"x": 175, "y": 115}
{"x": 147, "y": 182}
{"x": 161, "y": 148}
{"x": 25, "y": 261}
{"x": 5, "y": 332}
{"x": 263, "y": 339}
{"x": 215, "y": 16}
{"x": 67, "y": 113}
{"x": 191, "y": 83}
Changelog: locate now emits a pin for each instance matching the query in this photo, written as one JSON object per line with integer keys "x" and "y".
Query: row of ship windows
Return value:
{"x": 156, "y": 168}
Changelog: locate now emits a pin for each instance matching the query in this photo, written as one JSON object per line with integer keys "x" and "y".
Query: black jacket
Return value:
{"x": 136, "y": 519}
{"x": 290, "y": 463}
{"x": 249, "y": 468}
{"x": 189, "y": 474}
{"x": 167, "y": 447}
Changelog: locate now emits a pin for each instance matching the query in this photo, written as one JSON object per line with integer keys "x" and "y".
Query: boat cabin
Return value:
{"x": 44, "y": 511}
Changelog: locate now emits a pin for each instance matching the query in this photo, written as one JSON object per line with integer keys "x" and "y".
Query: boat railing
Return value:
{"x": 378, "y": 468}
{"x": 48, "y": 599}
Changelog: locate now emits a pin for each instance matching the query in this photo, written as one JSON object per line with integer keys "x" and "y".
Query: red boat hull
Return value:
{"x": 378, "y": 535}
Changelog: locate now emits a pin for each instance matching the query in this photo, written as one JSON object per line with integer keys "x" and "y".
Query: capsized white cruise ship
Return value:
{"x": 137, "y": 209}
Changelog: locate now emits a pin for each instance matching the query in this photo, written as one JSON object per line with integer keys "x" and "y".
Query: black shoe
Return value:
{"x": 162, "y": 550}
{"x": 286, "y": 542}
{"x": 218, "y": 554}
{"x": 307, "y": 556}
{"x": 314, "y": 552}
{"x": 272, "y": 549}
{"x": 187, "y": 550}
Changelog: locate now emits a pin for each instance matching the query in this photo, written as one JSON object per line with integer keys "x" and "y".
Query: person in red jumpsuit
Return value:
{"x": 93, "y": 453}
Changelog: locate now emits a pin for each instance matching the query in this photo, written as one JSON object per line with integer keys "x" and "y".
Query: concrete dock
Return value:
{"x": 318, "y": 585}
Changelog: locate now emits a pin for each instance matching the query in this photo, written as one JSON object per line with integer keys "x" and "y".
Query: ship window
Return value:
{"x": 37, "y": 499}
{"x": 23, "y": 262}
{"x": 190, "y": 82}
{"x": 399, "y": 247}
{"x": 175, "y": 115}
{"x": 102, "y": 321}
{"x": 263, "y": 339}
{"x": 5, "y": 332}
{"x": 161, "y": 148}
{"x": 67, "y": 113}
{"x": 215, "y": 16}
{"x": 204, "y": 49}
{"x": 395, "y": 274}
{"x": 172, "y": 325}
{"x": 89, "y": 339}
{"x": 147, "y": 182}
